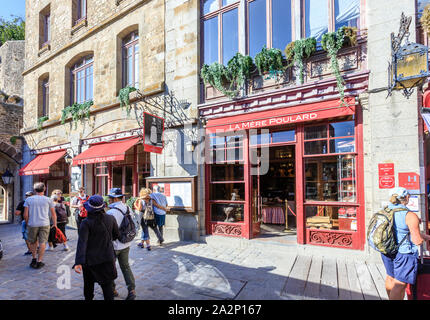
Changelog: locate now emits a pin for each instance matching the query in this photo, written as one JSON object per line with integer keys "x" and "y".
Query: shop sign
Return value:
{"x": 35, "y": 172}
{"x": 99, "y": 159}
{"x": 386, "y": 176}
{"x": 75, "y": 181}
{"x": 153, "y": 129}
{"x": 409, "y": 180}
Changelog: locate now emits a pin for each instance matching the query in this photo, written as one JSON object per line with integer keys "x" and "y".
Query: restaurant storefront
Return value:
{"x": 299, "y": 167}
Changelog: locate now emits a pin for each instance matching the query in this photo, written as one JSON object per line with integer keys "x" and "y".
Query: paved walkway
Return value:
{"x": 184, "y": 270}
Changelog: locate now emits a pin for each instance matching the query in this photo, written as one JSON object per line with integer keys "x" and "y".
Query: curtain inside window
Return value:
{"x": 316, "y": 18}
{"x": 347, "y": 13}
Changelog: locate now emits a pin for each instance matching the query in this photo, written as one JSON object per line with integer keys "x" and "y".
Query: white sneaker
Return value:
{"x": 50, "y": 248}
{"x": 66, "y": 248}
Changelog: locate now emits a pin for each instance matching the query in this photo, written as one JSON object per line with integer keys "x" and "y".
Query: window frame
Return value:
{"x": 125, "y": 58}
{"x": 219, "y": 14}
{"x": 81, "y": 11}
{"x": 331, "y": 19}
{"x": 269, "y": 24}
{"x": 82, "y": 65}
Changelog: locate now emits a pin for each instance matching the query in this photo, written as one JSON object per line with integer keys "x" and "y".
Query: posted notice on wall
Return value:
{"x": 414, "y": 203}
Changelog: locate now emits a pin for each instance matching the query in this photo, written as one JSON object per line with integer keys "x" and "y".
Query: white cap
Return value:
{"x": 399, "y": 192}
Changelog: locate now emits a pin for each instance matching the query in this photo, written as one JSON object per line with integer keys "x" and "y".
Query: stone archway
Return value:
{"x": 10, "y": 151}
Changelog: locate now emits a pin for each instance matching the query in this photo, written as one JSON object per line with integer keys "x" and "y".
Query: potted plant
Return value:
{"x": 270, "y": 62}
{"x": 297, "y": 51}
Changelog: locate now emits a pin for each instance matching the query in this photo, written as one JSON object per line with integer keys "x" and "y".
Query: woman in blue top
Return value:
{"x": 402, "y": 268}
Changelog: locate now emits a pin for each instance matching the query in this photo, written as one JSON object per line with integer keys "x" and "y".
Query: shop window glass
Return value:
{"x": 283, "y": 136}
{"x": 316, "y": 132}
{"x": 281, "y": 24}
{"x": 227, "y": 172}
{"x": 227, "y": 2}
{"x": 263, "y": 138}
{"x": 342, "y": 145}
{"x": 316, "y": 147}
{"x": 128, "y": 181}
{"x": 257, "y": 26}
{"x": 330, "y": 179}
{"x": 341, "y": 129}
{"x": 347, "y": 13}
{"x": 331, "y": 217}
{"x": 117, "y": 177}
{"x": 316, "y": 18}
{"x": 228, "y": 191}
{"x": 210, "y": 40}
{"x": 227, "y": 212}
{"x": 230, "y": 35}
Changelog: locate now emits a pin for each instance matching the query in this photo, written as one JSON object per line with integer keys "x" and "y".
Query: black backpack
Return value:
{"x": 127, "y": 229}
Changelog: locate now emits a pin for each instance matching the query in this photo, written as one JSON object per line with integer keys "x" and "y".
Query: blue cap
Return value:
{"x": 94, "y": 203}
{"x": 115, "y": 193}
{"x": 399, "y": 192}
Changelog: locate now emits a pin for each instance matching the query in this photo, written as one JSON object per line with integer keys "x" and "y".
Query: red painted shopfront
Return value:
{"x": 301, "y": 162}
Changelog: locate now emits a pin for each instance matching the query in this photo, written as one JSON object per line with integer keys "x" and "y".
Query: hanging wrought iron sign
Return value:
{"x": 409, "y": 63}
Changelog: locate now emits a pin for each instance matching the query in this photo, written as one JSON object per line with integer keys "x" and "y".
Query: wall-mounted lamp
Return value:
{"x": 7, "y": 177}
{"x": 191, "y": 145}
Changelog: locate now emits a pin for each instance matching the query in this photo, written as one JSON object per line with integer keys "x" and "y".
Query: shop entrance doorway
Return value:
{"x": 273, "y": 193}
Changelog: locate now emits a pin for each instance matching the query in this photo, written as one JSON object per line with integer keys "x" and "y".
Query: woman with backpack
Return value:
{"x": 95, "y": 256}
{"x": 402, "y": 267}
{"x": 145, "y": 204}
{"x": 62, "y": 219}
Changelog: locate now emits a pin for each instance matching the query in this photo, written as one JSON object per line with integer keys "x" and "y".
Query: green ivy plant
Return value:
{"x": 124, "y": 98}
{"x": 40, "y": 122}
{"x": 231, "y": 78}
{"x": 77, "y": 111}
{"x": 270, "y": 61}
{"x": 332, "y": 42}
{"x": 13, "y": 139}
{"x": 299, "y": 50}
{"x": 130, "y": 202}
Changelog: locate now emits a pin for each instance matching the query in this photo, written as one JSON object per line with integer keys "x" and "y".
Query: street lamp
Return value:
{"x": 7, "y": 177}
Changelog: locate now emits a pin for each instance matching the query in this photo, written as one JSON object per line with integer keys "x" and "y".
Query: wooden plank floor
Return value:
{"x": 328, "y": 278}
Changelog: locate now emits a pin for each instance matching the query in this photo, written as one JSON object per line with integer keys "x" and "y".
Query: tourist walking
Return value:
{"x": 401, "y": 269}
{"x": 118, "y": 210}
{"x": 145, "y": 205}
{"x": 60, "y": 210}
{"x": 95, "y": 256}
{"x": 77, "y": 204}
{"x": 20, "y": 212}
{"x": 160, "y": 210}
{"x": 37, "y": 209}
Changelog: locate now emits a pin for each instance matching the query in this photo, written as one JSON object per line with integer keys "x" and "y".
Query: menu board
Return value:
{"x": 180, "y": 192}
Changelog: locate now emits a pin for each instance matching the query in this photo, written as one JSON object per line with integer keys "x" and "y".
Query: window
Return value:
{"x": 330, "y": 176}
{"x": 131, "y": 60}
{"x": 227, "y": 178}
{"x": 101, "y": 175}
{"x": 79, "y": 11}
{"x": 44, "y": 27}
{"x": 45, "y": 97}
{"x": 82, "y": 80}
{"x": 321, "y": 16}
{"x": 220, "y": 24}
{"x": 270, "y": 24}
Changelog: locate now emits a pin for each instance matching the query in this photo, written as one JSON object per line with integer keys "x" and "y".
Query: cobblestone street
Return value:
{"x": 198, "y": 271}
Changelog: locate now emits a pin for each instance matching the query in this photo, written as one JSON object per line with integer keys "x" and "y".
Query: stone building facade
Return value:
{"x": 11, "y": 114}
{"x": 165, "y": 62}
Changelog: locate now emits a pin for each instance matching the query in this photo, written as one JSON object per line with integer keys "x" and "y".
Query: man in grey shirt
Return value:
{"x": 37, "y": 210}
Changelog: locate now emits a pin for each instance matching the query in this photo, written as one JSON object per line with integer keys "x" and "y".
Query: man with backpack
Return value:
{"x": 127, "y": 231}
{"x": 78, "y": 204}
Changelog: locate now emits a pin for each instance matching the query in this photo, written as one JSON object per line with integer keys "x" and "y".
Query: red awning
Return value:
{"x": 282, "y": 116}
{"x": 105, "y": 152}
{"x": 41, "y": 164}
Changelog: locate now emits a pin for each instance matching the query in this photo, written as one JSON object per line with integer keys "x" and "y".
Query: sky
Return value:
{"x": 12, "y": 7}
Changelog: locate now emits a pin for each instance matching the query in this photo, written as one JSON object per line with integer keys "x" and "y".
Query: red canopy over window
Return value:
{"x": 105, "y": 152}
{"x": 41, "y": 164}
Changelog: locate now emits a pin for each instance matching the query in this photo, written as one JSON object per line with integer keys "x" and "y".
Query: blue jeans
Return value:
{"x": 24, "y": 230}
{"x": 150, "y": 223}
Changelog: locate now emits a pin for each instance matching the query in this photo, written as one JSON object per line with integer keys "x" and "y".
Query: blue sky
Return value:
{"x": 15, "y": 7}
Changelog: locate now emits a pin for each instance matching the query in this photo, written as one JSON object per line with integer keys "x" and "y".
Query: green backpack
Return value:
{"x": 380, "y": 233}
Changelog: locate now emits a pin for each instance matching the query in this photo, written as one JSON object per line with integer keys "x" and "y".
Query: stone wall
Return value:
{"x": 11, "y": 67}
{"x": 391, "y": 132}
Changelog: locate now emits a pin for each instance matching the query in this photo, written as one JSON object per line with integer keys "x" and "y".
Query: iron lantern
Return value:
{"x": 7, "y": 177}
{"x": 409, "y": 63}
